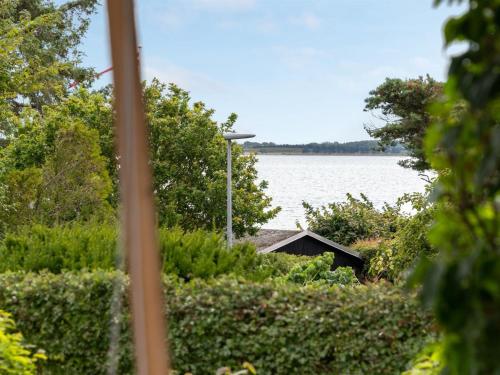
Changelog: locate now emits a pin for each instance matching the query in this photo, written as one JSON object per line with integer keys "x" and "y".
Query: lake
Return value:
{"x": 322, "y": 179}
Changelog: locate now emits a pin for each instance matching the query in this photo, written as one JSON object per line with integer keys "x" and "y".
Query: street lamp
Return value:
{"x": 229, "y": 137}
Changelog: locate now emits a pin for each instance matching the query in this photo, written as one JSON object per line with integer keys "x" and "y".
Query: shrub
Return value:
{"x": 68, "y": 247}
{"x": 197, "y": 254}
{"x": 204, "y": 255}
{"x": 393, "y": 256}
{"x": 411, "y": 242}
{"x": 353, "y": 220}
{"x": 15, "y": 358}
{"x": 368, "y": 250}
{"x": 318, "y": 270}
{"x": 277, "y": 264}
{"x": 280, "y": 329}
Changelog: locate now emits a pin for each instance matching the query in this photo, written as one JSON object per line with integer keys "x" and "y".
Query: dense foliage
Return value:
{"x": 280, "y": 329}
{"x": 39, "y": 57}
{"x": 46, "y": 128}
{"x": 197, "y": 254}
{"x": 188, "y": 158}
{"x": 15, "y": 358}
{"x": 319, "y": 270}
{"x": 397, "y": 255}
{"x": 352, "y": 220}
{"x": 70, "y": 184}
{"x": 464, "y": 147}
{"x": 390, "y": 241}
{"x": 359, "y": 147}
{"x": 404, "y": 107}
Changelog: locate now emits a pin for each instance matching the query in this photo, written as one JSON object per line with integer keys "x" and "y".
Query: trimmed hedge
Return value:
{"x": 280, "y": 329}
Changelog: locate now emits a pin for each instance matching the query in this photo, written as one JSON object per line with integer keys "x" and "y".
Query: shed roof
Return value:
{"x": 308, "y": 233}
{"x": 267, "y": 237}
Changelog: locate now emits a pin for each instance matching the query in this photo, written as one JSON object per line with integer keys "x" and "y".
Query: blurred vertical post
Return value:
{"x": 138, "y": 220}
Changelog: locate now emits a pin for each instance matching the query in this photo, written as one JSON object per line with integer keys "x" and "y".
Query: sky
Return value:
{"x": 295, "y": 71}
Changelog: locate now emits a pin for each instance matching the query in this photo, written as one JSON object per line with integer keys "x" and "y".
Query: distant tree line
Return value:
{"x": 359, "y": 147}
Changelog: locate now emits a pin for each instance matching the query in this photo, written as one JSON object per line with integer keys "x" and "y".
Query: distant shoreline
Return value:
{"x": 248, "y": 152}
{"x": 368, "y": 147}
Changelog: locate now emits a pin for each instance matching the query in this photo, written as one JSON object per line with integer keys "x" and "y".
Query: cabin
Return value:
{"x": 312, "y": 244}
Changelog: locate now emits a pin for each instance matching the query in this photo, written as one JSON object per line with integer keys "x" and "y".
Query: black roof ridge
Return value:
{"x": 316, "y": 236}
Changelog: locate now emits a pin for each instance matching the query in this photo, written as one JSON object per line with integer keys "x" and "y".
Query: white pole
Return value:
{"x": 229, "y": 232}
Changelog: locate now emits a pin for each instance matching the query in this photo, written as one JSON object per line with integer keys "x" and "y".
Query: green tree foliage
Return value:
{"x": 394, "y": 257}
{"x": 188, "y": 157}
{"x": 75, "y": 181}
{"x": 38, "y": 54}
{"x": 462, "y": 284}
{"x": 390, "y": 240}
{"x": 15, "y": 358}
{"x": 69, "y": 183}
{"x": 39, "y": 58}
{"x": 403, "y": 106}
{"x": 224, "y": 322}
{"x": 353, "y": 220}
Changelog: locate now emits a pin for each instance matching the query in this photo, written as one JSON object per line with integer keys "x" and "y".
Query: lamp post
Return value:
{"x": 229, "y": 138}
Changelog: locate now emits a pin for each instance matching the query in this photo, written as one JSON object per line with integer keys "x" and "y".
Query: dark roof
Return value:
{"x": 317, "y": 237}
{"x": 267, "y": 237}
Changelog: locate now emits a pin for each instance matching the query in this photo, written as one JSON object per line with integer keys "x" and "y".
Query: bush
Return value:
{"x": 277, "y": 264}
{"x": 15, "y": 358}
{"x": 280, "y": 329}
{"x": 197, "y": 254}
{"x": 411, "y": 242}
{"x": 319, "y": 270}
{"x": 368, "y": 249}
{"x": 353, "y": 220}
{"x": 203, "y": 254}
{"x": 68, "y": 247}
{"x": 394, "y": 258}
{"x": 394, "y": 255}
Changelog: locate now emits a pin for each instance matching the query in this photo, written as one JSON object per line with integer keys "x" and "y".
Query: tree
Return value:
{"x": 404, "y": 107}
{"x": 71, "y": 184}
{"x": 39, "y": 57}
{"x": 462, "y": 283}
{"x": 75, "y": 183}
{"x": 188, "y": 158}
{"x": 39, "y": 54}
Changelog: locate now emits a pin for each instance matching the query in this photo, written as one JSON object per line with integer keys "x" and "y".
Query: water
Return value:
{"x": 323, "y": 179}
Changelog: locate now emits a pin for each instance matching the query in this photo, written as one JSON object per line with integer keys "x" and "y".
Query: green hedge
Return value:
{"x": 280, "y": 329}
{"x": 197, "y": 254}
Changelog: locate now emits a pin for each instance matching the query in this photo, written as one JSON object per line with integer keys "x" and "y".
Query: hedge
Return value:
{"x": 198, "y": 254}
{"x": 280, "y": 329}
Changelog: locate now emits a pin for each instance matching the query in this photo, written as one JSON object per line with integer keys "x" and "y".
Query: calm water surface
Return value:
{"x": 320, "y": 180}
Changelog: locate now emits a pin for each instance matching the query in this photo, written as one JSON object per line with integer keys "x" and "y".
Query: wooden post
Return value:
{"x": 138, "y": 228}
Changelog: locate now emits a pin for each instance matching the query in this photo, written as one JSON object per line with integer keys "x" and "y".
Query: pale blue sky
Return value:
{"x": 294, "y": 71}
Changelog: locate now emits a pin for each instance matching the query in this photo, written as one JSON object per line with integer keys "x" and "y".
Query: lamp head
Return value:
{"x": 231, "y": 136}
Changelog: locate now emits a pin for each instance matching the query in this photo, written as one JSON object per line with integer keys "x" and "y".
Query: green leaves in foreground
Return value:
{"x": 463, "y": 146}
{"x": 15, "y": 359}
